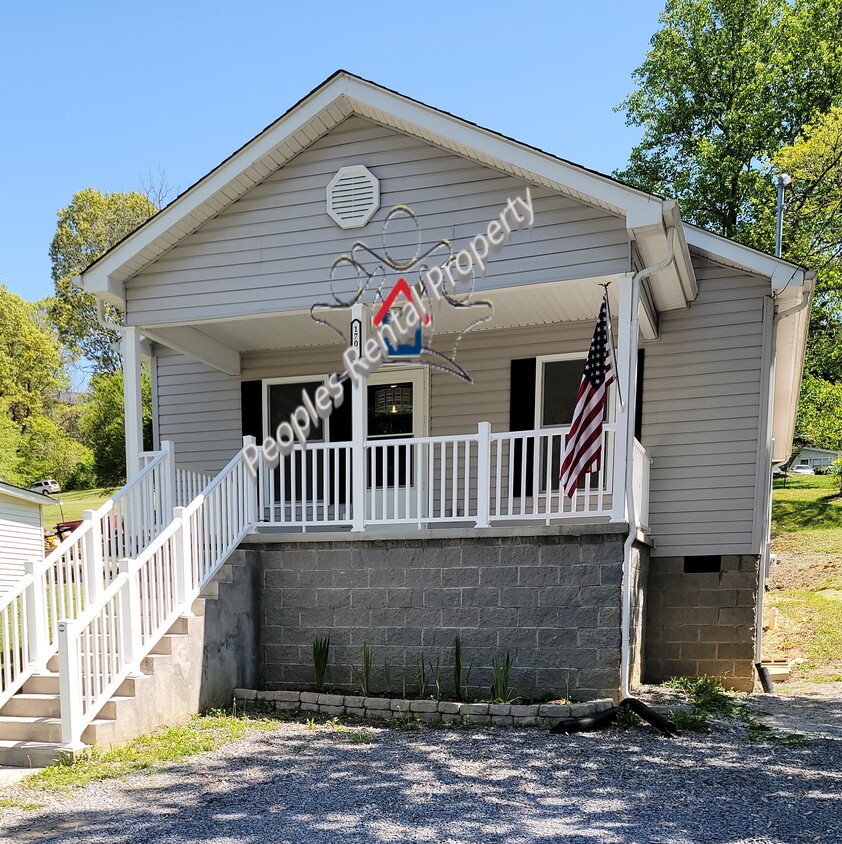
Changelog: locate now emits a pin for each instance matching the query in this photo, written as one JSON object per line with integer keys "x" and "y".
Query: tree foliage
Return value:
{"x": 90, "y": 225}
{"x": 48, "y": 451}
{"x": 30, "y": 360}
{"x": 103, "y": 425}
{"x": 725, "y": 85}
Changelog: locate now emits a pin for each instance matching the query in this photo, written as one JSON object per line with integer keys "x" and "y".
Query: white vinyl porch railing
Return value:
{"x": 478, "y": 478}
{"x": 68, "y": 580}
{"x": 188, "y": 484}
{"x": 105, "y": 644}
{"x": 309, "y": 488}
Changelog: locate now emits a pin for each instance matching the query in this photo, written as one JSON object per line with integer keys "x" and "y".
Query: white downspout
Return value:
{"x": 765, "y": 556}
{"x": 638, "y": 277}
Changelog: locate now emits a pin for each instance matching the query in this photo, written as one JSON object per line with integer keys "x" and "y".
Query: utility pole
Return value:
{"x": 782, "y": 181}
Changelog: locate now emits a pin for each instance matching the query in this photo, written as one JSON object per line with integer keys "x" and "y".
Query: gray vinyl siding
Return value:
{"x": 21, "y": 538}
{"x": 272, "y": 250}
{"x": 456, "y": 407}
{"x": 701, "y": 413}
{"x": 198, "y": 411}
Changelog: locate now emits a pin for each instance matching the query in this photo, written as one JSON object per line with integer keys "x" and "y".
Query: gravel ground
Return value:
{"x": 486, "y": 786}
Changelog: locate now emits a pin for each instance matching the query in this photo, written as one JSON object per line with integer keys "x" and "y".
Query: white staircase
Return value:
{"x": 91, "y": 637}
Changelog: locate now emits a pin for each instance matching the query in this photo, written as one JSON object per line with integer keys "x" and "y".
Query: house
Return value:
{"x": 814, "y": 457}
{"x": 417, "y": 499}
{"x": 21, "y": 531}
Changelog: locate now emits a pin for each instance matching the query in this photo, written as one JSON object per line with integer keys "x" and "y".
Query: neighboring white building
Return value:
{"x": 21, "y": 533}
{"x": 814, "y": 457}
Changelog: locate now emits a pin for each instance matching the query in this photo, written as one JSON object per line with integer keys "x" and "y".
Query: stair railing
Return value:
{"x": 106, "y": 643}
{"x": 72, "y": 577}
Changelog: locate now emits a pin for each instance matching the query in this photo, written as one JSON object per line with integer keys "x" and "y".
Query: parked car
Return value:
{"x": 802, "y": 470}
{"x": 46, "y": 487}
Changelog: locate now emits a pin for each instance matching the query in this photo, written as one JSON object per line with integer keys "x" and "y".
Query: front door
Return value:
{"x": 396, "y": 411}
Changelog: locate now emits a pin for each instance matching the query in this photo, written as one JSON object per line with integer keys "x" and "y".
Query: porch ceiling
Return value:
{"x": 540, "y": 304}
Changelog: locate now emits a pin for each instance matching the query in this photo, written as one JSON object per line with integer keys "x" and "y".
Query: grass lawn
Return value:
{"x": 73, "y": 503}
{"x": 806, "y": 585}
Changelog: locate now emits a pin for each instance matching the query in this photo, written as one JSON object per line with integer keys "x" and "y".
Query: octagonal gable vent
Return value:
{"x": 353, "y": 195}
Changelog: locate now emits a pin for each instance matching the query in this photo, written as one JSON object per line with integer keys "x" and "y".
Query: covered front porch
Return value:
{"x": 415, "y": 447}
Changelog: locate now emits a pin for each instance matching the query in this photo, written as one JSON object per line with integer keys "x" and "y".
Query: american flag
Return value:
{"x": 583, "y": 452}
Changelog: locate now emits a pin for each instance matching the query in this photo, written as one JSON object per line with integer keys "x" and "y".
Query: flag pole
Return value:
{"x": 611, "y": 341}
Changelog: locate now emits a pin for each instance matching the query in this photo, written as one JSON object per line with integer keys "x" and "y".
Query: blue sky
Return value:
{"x": 101, "y": 93}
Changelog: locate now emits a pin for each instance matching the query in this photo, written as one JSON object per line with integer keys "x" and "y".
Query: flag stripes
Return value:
{"x": 583, "y": 450}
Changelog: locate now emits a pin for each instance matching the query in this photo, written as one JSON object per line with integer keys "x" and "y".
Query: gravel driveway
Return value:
{"x": 486, "y": 786}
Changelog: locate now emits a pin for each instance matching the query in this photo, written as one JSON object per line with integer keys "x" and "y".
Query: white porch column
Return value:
{"x": 130, "y": 351}
{"x": 627, "y": 346}
{"x": 358, "y": 396}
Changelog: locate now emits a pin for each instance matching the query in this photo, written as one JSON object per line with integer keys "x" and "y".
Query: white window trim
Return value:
{"x": 420, "y": 376}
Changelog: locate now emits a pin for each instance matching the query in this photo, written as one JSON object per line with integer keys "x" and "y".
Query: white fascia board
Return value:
{"x": 782, "y": 273}
{"x": 96, "y": 279}
{"x": 197, "y": 345}
{"x": 642, "y": 208}
{"x": 683, "y": 262}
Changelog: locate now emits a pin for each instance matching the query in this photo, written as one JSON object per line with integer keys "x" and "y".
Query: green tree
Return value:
{"x": 103, "y": 425}
{"x": 31, "y": 368}
{"x": 724, "y": 86}
{"x": 89, "y": 226}
{"x": 48, "y": 451}
{"x": 10, "y": 442}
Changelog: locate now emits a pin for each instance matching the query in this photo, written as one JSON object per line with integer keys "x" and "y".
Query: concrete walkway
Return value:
{"x": 817, "y": 716}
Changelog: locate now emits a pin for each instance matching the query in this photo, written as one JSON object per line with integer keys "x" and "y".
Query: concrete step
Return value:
{"x": 24, "y": 728}
{"x": 32, "y": 754}
{"x": 180, "y": 627}
{"x": 225, "y": 574}
{"x": 210, "y": 590}
{"x": 165, "y": 644}
{"x": 35, "y": 705}
{"x": 42, "y": 684}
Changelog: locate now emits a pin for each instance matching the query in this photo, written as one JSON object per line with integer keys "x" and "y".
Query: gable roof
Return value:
{"x": 344, "y": 94}
{"x": 26, "y": 495}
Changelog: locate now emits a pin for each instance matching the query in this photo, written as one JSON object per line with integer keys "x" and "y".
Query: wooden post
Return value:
{"x": 70, "y": 683}
{"x": 250, "y": 491}
{"x": 358, "y": 403}
{"x": 130, "y": 351}
{"x": 626, "y": 382}
{"x": 94, "y": 571}
{"x": 36, "y": 616}
{"x": 168, "y": 488}
{"x": 130, "y": 620}
{"x": 483, "y": 473}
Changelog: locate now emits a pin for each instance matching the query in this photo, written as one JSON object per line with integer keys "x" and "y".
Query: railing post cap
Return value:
{"x": 167, "y": 445}
{"x": 123, "y": 564}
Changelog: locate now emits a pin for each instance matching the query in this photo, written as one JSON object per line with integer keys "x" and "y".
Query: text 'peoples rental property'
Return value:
{"x": 438, "y": 281}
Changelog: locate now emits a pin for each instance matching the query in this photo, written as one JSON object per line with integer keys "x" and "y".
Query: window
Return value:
{"x": 559, "y": 381}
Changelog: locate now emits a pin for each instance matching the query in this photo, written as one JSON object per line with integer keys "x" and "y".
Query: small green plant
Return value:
{"x": 438, "y": 689}
{"x": 690, "y": 722}
{"x": 706, "y": 693}
{"x": 14, "y": 803}
{"x": 457, "y": 666}
{"x": 321, "y": 649}
{"x": 360, "y": 737}
{"x": 387, "y": 677}
{"x": 422, "y": 677}
{"x": 364, "y": 674}
{"x": 501, "y": 690}
{"x": 626, "y": 719}
{"x": 311, "y": 723}
{"x": 334, "y": 724}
